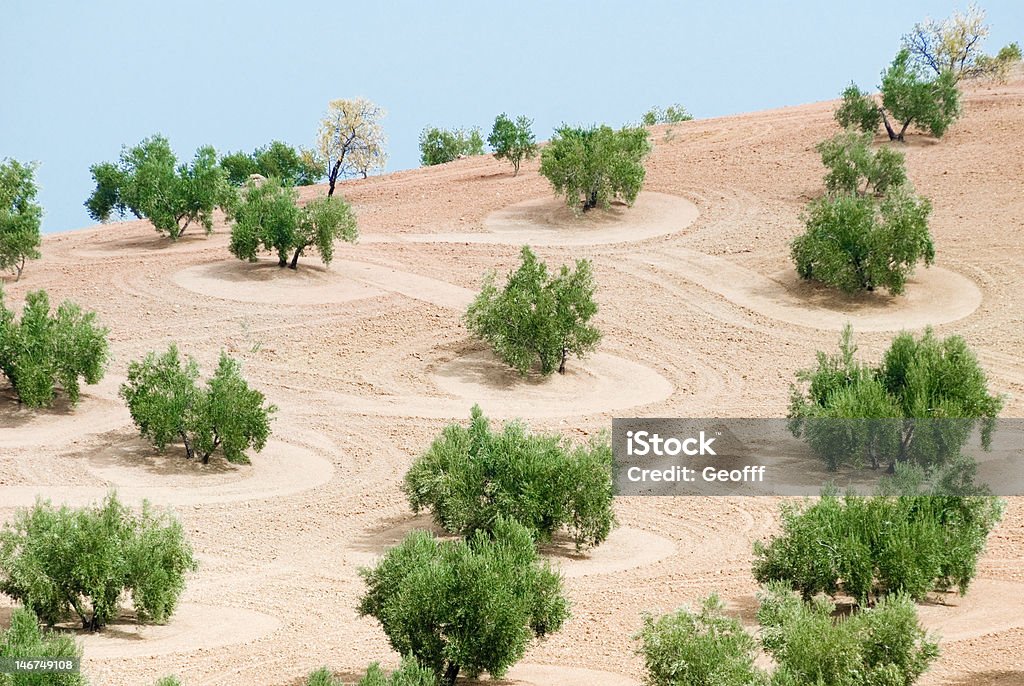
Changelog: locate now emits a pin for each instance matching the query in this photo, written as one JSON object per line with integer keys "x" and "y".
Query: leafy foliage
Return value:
{"x": 513, "y": 140}
{"x": 20, "y": 216}
{"x": 268, "y": 218}
{"x": 862, "y": 243}
{"x": 168, "y": 406}
{"x": 168, "y": 681}
{"x": 998, "y": 68}
{"x": 438, "y": 146}
{"x": 854, "y": 168}
{"x": 409, "y": 673}
{"x": 43, "y": 350}
{"x": 350, "y": 140}
{"x": 471, "y": 478}
{"x": 928, "y": 104}
{"x": 687, "y": 648}
{"x": 673, "y": 114}
{"x": 858, "y": 111}
{"x": 590, "y": 167}
{"x": 909, "y": 542}
{"x": 148, "y": 182}
{"x": 277, "y": 160}
{"x": 465, "y": 606}
{"x": 881, "y": 646}
{"x": 951, "y": 45}
{"x": 24, "y": 639}
{"x": 537, "y": 315}
{"x": 918, "y": 406}
{"x": 64, "y": 562}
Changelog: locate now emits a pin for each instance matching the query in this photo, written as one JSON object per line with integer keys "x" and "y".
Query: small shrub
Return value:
{"x": 168, "y": 681}
{"x": 591, "y": 167}
{"x": 881, "y": 646}
{"x": 43, "y": 350}
{"x": 268, "y": 218}
{"x": 148, "y": 182}
{"x": 24, "y": 639}
{"x": 855, "y": 169}
{"x": 438, "y": 146}
{"x": 20, "y": 216}
{"x": 869, "y": 547}
{"x": 471, "y": 478}
{"x": 537, "y": 316}
{"x": 277, "y": 160}
{"x": 861, "y": 243}
{"x": 687, "y": 648}
{"x": 78, "y": 562}
{"x": 673, "y": 114}
{"x": 919, "y": 406}
{"x": 465, "y": 606}
{"x": 513, "y": 140}
{"x": 168, "y": 406}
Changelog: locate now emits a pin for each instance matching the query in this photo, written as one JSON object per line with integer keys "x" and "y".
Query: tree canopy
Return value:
{"x": 537, "y": 316}
{"x": 591, "y": 167}
{"x": 350, "y": 140}
{"x": 513, "y": 140}
{"x": 148, "y": 182}
{"x": 20, "y": 216}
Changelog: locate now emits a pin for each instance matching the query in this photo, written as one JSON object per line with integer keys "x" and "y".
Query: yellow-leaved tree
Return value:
{"x": 952, "y": 44}
{"x": 350, "y": 140}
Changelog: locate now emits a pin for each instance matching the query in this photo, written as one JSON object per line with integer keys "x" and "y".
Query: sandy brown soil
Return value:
{"x": 368, "y": 359}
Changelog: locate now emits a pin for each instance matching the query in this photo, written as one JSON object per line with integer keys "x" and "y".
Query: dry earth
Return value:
{"x": 368, "y": 360}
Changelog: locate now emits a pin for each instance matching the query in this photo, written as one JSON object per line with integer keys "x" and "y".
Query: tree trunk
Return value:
{"x": 591, "y": 201}
{"x": 561, "y": 367}
{"x": 19, "y": 267}
{"x": 888, "y": 127}
{"x": 450, "y": 673}
{"x": 906, "y": 124}
{"x": 332, "y": 178}
{"x": 189, "y": 452}
{"x": 295, "y": 258}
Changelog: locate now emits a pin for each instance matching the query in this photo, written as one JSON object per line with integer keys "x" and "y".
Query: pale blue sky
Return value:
{"x": 80, "y": 79}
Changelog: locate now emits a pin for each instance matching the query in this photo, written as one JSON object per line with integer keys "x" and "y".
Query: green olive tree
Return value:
{"x": 591, "y": 167}
{"x": 537, "y": 315}
{"x": 43, "y": 350}
{"x": 513, "y": 140}
{"x": 465, "y": 606}
{"x": 169, "y": 406}
{"x": 148, "y": 182}
{"x": 20, "y": 216}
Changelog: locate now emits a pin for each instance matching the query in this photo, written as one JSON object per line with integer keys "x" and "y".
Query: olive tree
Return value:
{"x": 909, "y": 541}
{"x": 465, "y": 606}
{"x": 472, "y": 477}
{"x": 537, "y": 316}
{"x": 20, "y": 216}
{"x": 63, "y": 562}
{"x": 673, "y": 114}
{"x": 42, "y": 350}
{"x": 513, "y": 140}
{"x": 148, "y": 182}
{"x": 855, "y": 168}
{"x": 687, "y": 647}
{"x": 591, "y": 167}
{"x": 919, "y": 406}
{"x": 350, "y": 140}
{"x": 856, "y": 242}
{"x": 810, "y": 644}
{"x": 409, "y": 673}
{"x": 24, "y": 639}
{"x": 276, "y": 160}
{"x": 909, "y": 98}
{"x": 268, "y": 218}
{"x": 169, "y": 406}
{"x": 439, "y": 146}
